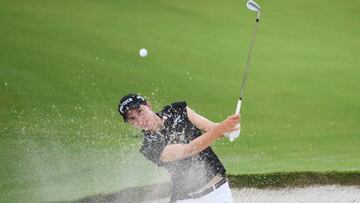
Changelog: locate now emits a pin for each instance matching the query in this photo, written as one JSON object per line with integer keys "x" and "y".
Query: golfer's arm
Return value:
{"x": 180, "y": 151}
{"x": 199, "y": 121}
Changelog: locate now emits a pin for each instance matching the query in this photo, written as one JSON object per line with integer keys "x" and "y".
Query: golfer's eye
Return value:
{"x": 131, "y": 118}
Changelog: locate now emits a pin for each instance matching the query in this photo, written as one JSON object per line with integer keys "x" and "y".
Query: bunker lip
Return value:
{"x": 299, "y": 186}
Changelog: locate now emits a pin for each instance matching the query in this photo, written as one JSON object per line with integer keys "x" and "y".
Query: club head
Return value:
{"x": 251, "y": 5}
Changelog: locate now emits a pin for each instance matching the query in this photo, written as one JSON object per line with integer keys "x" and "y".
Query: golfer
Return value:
{"x": 179, "y": 140}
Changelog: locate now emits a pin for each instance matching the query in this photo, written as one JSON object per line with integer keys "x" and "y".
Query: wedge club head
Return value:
{"x": 252, "y": 6}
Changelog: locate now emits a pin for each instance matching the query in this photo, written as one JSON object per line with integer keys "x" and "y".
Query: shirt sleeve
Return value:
{"x": 152, "y": 149}
{"x": 180, "y": 108}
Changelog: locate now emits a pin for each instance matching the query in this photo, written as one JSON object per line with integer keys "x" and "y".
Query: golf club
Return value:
{"x": 251, "y": 5}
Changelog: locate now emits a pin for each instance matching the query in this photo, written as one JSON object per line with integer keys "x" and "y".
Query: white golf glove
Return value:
{"x": 233, "y": 135}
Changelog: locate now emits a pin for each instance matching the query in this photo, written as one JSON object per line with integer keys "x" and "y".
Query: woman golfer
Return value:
{"x": 179, "y": 140}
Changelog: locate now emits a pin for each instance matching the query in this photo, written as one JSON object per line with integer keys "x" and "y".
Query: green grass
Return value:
{"x": 294, "y": 179}
{"x": 64, "y": 65}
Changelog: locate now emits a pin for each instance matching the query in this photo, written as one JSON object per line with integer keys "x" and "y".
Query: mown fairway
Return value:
{"x": 65, "y": 64}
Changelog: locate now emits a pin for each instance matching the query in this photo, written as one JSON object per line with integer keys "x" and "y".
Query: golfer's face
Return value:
{"x": 142, "y": 117}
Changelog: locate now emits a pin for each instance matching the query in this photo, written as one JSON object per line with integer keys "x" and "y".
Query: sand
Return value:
{"x": 315, "y": 194}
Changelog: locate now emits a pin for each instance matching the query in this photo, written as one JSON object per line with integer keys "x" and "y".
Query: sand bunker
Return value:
{"x": 316, "y": 194}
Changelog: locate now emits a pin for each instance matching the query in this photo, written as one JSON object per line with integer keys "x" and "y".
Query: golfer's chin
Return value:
{"x": 144, "y": 127}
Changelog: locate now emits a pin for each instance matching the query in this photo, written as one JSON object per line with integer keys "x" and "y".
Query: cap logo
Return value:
{"x": 123, "y": 105}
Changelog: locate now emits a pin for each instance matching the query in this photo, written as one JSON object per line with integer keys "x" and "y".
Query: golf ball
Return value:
{"x": 143, "y": 52}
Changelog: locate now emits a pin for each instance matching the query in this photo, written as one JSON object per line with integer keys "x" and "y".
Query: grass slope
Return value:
{"x": 64, "y": 65}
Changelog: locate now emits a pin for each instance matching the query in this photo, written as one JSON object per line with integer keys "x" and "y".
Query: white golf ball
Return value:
{"x": 143, "y": 52}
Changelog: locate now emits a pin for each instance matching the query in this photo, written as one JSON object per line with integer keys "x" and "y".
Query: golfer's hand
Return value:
{"x": 230, "y": 124}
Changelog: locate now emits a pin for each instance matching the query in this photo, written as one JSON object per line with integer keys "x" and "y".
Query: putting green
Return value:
{"x": 65, "y": 64}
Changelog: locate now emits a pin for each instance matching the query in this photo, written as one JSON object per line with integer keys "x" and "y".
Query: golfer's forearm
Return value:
{"x": 180, "y": 151}
{"x": 200, "y": 121}
{"x": 213, "y": 126}
{"x": 202, "y": 142}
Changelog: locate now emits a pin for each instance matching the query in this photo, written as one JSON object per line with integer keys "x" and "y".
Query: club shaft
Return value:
{"x": 247, "y": 65}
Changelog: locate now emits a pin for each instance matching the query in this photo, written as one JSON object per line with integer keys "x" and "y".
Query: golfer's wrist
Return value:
{"x": 219, "y": 130}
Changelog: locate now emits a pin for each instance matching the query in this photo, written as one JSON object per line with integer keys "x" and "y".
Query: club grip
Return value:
{"x": 233, "y": 135}
{"x": 238, "y": 107}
